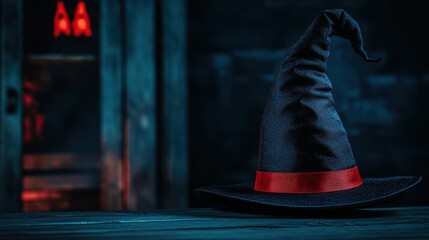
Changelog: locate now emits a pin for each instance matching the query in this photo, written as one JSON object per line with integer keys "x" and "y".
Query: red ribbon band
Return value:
{"x": 307, "y": 182}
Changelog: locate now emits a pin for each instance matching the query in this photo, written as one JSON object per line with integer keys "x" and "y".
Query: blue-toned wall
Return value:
{"x": 235, "y": 47}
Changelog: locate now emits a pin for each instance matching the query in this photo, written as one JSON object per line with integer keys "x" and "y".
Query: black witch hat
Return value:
{"x": 305, "y": 159}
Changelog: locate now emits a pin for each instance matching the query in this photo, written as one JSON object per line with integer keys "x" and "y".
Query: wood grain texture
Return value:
{"x": 10, "y": 122}
{"x": 174, "y": 131}
{"x": 59, "y": 161}
{"x": 58, "y": 200}
{"x": 377, "y": 223}
{"x": 141, "y": 103}
{"x": 62, "y": 181}
{"x": 111, "y": 79}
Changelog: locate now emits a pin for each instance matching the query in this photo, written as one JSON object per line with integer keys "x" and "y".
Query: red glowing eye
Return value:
{"x": 61, "y": 21}
{"x": 81, "y": 22}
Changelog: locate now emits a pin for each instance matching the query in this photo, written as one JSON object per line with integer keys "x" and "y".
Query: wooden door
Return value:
{"x": 134, "y": 62}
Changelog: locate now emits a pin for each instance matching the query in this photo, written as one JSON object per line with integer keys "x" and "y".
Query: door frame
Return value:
{"x": 11, "y": 22}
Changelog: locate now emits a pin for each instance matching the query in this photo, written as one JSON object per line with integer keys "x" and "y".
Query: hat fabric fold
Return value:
{"x": 305, "y": 158}
{"x": 301, "y": 130}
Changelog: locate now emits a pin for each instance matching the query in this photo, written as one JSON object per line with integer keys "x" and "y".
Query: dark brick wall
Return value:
{"x": 235, "y": 47}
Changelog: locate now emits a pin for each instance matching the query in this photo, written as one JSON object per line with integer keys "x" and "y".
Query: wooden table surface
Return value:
{"x": 375, "y": 223}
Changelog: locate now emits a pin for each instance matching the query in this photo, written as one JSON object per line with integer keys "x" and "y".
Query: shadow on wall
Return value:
{"x": 235, "y": 48}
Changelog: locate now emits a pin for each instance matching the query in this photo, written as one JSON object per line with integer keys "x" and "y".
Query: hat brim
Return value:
{"x": 373, "y": 190}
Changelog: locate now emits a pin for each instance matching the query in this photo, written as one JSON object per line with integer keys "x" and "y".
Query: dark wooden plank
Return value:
{"x": 111, "y": 78}
{"x": 2, "y": 176}
{"x": 11, "y": 117}
{"x": 388, "y": 223}
{"x": 60, "y": 58}
{"x": 174, "y": 159}
{"x": 62, "y": 181}
{"x": 59, "y": 161}
{"x": 141, "y": 103}
{"x": 59, "y": 200}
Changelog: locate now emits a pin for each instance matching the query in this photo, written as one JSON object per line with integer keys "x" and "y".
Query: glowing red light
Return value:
{"x": 39, "y": 195}
{"x": 33, "y": 120}
{"x": 61, "y": 21}
{"x": 81, "y": 22}
{"x": 28, "y": 135}
{"x": 39, "y": 122}
{"x": 28, "y": 99}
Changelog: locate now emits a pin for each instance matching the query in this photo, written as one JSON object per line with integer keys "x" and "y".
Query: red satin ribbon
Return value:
{"x": 307, "y": 182}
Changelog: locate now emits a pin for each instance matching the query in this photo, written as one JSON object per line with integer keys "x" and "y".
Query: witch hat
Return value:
{"x": 305, "y": 159}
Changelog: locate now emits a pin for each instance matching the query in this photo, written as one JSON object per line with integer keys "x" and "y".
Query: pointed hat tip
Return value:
{"x": 360, "y": 51}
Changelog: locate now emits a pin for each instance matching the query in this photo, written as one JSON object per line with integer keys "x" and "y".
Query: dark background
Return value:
{"x": 235, "y": 48}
